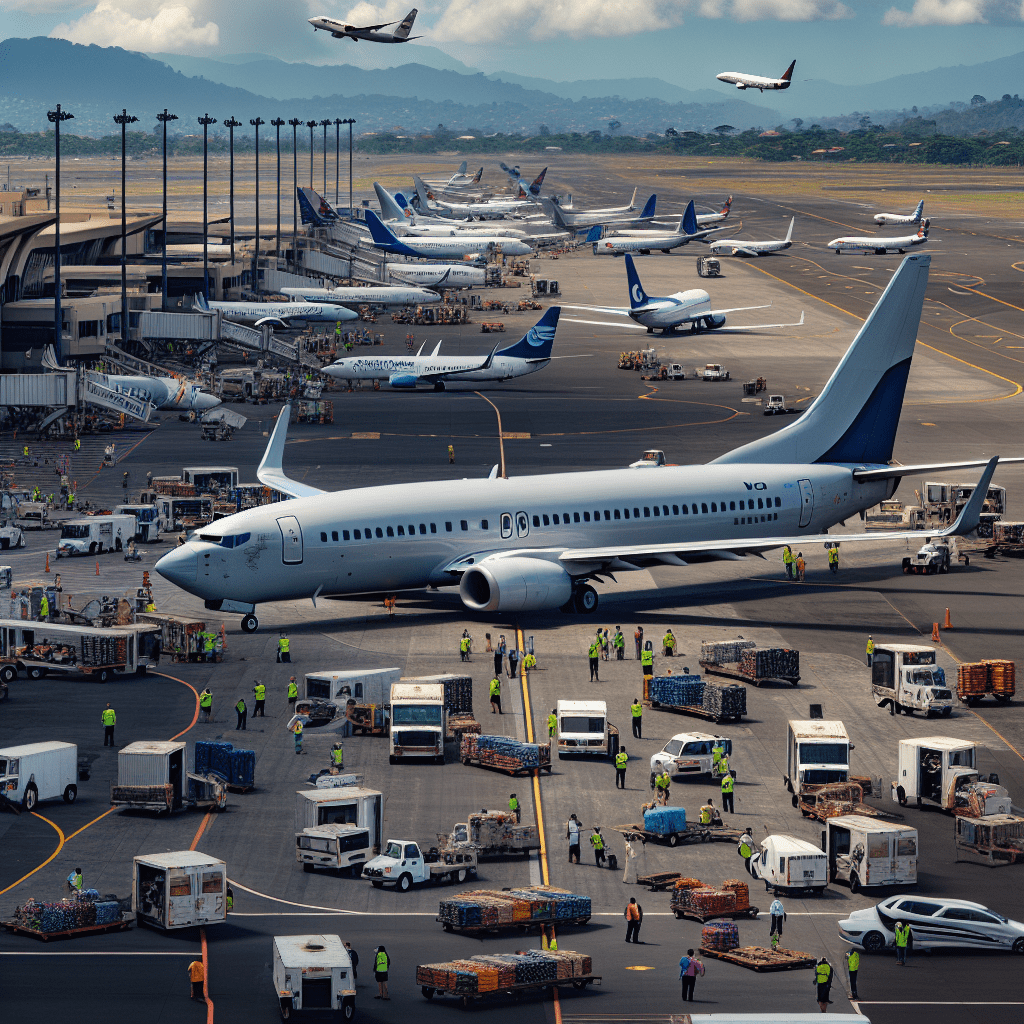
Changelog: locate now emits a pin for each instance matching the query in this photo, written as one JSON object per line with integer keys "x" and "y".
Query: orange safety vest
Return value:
{"x": 195, "y": 970}
{"x": 632, "y": 912}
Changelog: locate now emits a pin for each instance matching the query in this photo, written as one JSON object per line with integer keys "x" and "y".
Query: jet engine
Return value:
{"x": 402, "y": 380}
{"x": 515, "y": 584}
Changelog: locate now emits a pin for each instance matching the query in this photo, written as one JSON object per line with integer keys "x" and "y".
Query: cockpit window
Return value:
{"x": 234, "y": 541}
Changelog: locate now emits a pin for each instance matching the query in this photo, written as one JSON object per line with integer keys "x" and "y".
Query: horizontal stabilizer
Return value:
{"x": 895, "y": 472}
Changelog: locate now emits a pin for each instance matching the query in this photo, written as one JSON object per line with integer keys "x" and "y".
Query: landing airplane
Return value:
{"x": 444, "y": 248}
{"x": 483, "y": 208}
{"x": 879, "y": 246}
{"x": 741, "y": 247}
{"x": 901, "y": 218}
{"x": 278, "y": 314}
{"x": 745, "y": 81}
{"x": 436, "y": 275}
{"x": 686, "y": 232}
{"x": 374, "y": 295}
{"x": 369, "y": 33}
{"x": 690, "y": 310}
{"x": 533, "y": 187}
{"x": 533, "y": 543}
{"x": 402, "y": 219}
{"x": 528, "y": 355}
{"x": 569, "y": 218}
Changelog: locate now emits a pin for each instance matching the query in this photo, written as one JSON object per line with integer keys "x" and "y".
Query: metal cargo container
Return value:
{"x": 314, "y": 973}
{"x": 364, "y": 687}
{"x": 153, "y": 763}
{"x": 347, "y": 805}
{"x": 179, "y": 890}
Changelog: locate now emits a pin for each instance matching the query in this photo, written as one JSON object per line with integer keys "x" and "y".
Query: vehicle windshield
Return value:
{"x": 394, "y": 851}
{"x": 672, "y": 747}
{"x": 824, "y": 753}
{"x": 422, "y": 715}
{"x": 73, "y": 531}
{"x": 581, "y": 723}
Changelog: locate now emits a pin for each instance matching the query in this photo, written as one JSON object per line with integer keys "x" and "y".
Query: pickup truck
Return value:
{"x": 934, "y": 557}
{"x": 776, "y": 406}
{"x": 651, "y": 459}
{"x": 403, "y": 865}
{"x": 712, "y": 371}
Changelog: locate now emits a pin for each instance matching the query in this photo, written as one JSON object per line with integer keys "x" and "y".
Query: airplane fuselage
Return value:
{"x": 386, "y": 296}
{"x": 619, "y": 245}
{"x": 876, "y": 246}
{"x": 163, "y": 392}
{"x": 455, "y": 248}
{"x": 428, "y": 275}
{"x": 742, "y": 81}
{"x": 738, "y": 247}
{"x": 314, "y": 312}
{"x": 407, "y": 370}
{"x": 668, "y": 312}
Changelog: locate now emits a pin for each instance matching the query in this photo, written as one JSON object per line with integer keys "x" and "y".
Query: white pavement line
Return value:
{"x": 340, "y": 913}
{"x": 924, "y": 1002}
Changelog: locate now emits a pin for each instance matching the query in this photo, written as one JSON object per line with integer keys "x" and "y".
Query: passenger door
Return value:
{"x": 806, "y": 501}
{"x": 522, "y": 524}
{"x": 291, "y": 540}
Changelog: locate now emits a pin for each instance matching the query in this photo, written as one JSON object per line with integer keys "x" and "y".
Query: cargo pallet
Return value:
{"x": 522, "y": 926}
{"x": 544, "y": 766}
{"x": 515, "y": 991}
{"x": 71, "y": 933}
{"x": 757, "y": 958}
{"x": 696, "y": 915}
{"x": 697, "y": 834}
{"x": 714, "y": 668}
{"x": 692, "y": 709}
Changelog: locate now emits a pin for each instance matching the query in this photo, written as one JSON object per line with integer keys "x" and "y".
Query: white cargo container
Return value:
{"x": 348, "y": 805}
{"x": 943, "y": 770}
{"x": 904, "y": 677}
{"x": 146, "y": 767}
{"x": 342, "y": 847}
{"x": 39, "y": 771}
{"x": 786, "y": 863}
{"x": 419, "y": 722}
{"x": 313, "y": 972}
{"x": 583, "y": 728}
{"x": 92, "y": 535}
{"x": 369, "y": 687}
{"x": 179, "y": 890}
{"x": 865, "y": 851}
{"x": 818, "y": 752}
{"x": 148, "y": 524}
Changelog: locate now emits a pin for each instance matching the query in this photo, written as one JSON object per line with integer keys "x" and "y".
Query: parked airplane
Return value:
{"x": 369, "y": 33}
{"x": 690, "y": 310}
{"x": 445, "y": 248}
{"x": 484, "y": 208}
{"x": 436, "y": 275}
{"x": 880, "y": 246}
{"x": 534, "y": 542}
{"x": 715, "y": 218}
{"x": 686, "y": 232}
{"x": 528, "y": 355}
{"x": 745, "y": 81}
{"x": 703, "y": 219}
{"x": 570, "y": 218}
{"x": 374, "y": 295}
{"x": 278, "y": 314}
{"x": 741, "y": 247}
{"x": 167, "y": 393}
{"x": 901, "y": 218}
{"x": 402, "y": 219}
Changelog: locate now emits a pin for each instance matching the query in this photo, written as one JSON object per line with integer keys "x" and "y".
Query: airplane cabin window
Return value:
{"x": 536, "y": 520}
{"x": 483, "y": 524}
{"x": 657, "y": 511}
{"x": 743, "y": 505}
{"x": 686, "y": 510}
{"x": 703, "y": 508}
{"x": 380, "y": 532}
{"x": 714, "y": 507}
{"x": 778, "y": 503}
{"x": 357, "y": 534}
{"x": 597, "y": 515}
{"x": 554, "y": 518}
{"x": 586, "y": 517}
{"x": 344, "y": 534}
{"x": 636, "y": 513}
{"x": 433, "y": 527}
{"x": 607, "y": 514}
{"x": 391, "y": 531}
{"x": 368, "y": 532}
{"x": 664, "y": 509}
{"x": 625, "y": 513}
{"x": 760, "y": 503}
{"x": 575, "y": 517}
{"x": 565, "y": 518}
{"x": 647, "y": 512}
{"x": 323, "y": 537}
{"x": 447, "y": 527}
{"x": 675, "y": 510}
{"x": 547, "y": 522}
{"x": 463, "y": 524}
{"x": 732, "y": 506}
{"x": 412, "y": 529}
{"x": 616, "y": 514}
{"x": 334, "y": 534}
{"x": 401, "y": 531}
{"x": 423, "y": 528}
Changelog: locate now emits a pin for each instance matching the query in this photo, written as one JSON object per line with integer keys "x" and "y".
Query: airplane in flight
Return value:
{"x": 649, "y": 241}
{"x": 741, "y": 247}
{"x": 277, "y": 314}
{"x": 436, "y": 275}
{"x": 441, "y": 248}
{"x": 534, "y": 543}
{"x": 566, "y": 216}
{"x": 745, "y": 81}
{"x": 880, "y": 246}
{"x": 374, "y": 295}
{"x": 403, "y": 219}
{"x": 901, "y": 218}
{"x": 688, "y": 311}
{"x": 484, "y": 208}
{"x": 368, "y": 33}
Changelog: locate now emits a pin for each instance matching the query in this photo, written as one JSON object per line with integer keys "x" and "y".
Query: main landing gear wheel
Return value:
{"x": 439, "y": 385}
{"x": 250, "y": 623}
{"x": 586, "y": 599}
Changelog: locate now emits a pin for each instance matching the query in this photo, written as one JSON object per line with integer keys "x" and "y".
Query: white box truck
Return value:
{"x": 419, "y": 722}
{"x": 211, "y": 478}
{"x": 904, "y": 677}
{"x": 866, "y": 852}
{"x": 942, "y": 770}
{"x": 313, "y": 973}
{"x": 39, "y": 771}
{"x": 179, "y": 890}
{"x": 92, "y": 535}
{"x": 817, "y": 753}
{"x": 346, "y": 805}
{"x": 364, "y": 687}
{"x": 583, "y": 728}
{"x": 345, "y": 848}
{"x": 788, "y": 864}
{"x": 148, "y": 525}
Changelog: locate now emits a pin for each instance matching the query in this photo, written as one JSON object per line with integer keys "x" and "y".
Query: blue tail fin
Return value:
{"x": 689, "y": 222}
{"x": 919, "y": 211}
{"x": 315, "y": 209}
{"x": 538, "y": 340}
{"x": 637, "y": 295}
{"x": 648, "y": 211}
{"x": 593, "y": 235}
{"x": 403, "y": 203}
{"x": 379, "y": 232}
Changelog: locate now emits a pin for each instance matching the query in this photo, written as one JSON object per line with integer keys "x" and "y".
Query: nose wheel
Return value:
{"x": 250, "y": 623}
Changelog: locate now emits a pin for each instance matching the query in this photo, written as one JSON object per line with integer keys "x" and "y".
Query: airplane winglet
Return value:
{"x": 271, "y": 468}
{"x": 969, "y": 518}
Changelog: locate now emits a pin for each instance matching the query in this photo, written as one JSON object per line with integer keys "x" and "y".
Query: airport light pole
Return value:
{"x": 256, "y": 122}
{"x": 205, "y": 121}
{"x": 124, "y": 119}
{"x": 337, "y": 157}
{"x": 163, "y": 119}
{"x": 295, "y": 122}
{"x": 350, "y": 121}
{"x": 231, "y": 124}
{"x": 311, "y": 125}
{"x": 277, "y": 122}
{"x": 55, "y": 117}
{"x": 325, "y": 123}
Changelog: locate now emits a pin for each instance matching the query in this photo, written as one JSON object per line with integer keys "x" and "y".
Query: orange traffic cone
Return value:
{"x": 947, "y": 624}
{"x": 223, "y": 638}
{"x": 936, "y": 639}
{"x": 97, "y": 568}
{"x": 47, "y": 561}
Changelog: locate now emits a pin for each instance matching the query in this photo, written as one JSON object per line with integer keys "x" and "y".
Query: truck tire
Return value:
{"x": 391, "y": 759}
{"x": 376, "y": 884}
{"x": 873, "y": 942}
{"x": 428, "y": 992}
{"x": 103, "y": 675}
{"x": 31, "y": 797}
{"x": 854, "y": 883}
{"x": 70, "y": 794}
{"x": 8, "y": 674}
{"x": 404, "y": 882}
{"x": 308, "y": 868}
{"x": 36, "y": 673}
{"x": 460, "y": 875}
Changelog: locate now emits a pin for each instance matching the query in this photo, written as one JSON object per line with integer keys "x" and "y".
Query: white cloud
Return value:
{"x": 365, "y": 13}
{"x": 789, "y": 10}
{"x": 954, "y": 12}
{"x": 170, "y": 28}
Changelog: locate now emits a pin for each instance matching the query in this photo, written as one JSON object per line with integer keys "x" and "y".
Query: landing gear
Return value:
{"x": 439, "y": 385}
{"x": 586, "y": 599}
{"x": 250, "y": 623}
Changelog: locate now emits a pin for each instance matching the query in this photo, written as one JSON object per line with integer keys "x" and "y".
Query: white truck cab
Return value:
{"x": 651, "y": 459}
{"x": 904, "y": 677}
{"x": 943, "y": 770}
{"x": 786, "y": 863}
{"x": 342, "y": 847}
{"x": 689, "y": 753}
{"x": 583, "y": 728}
{"x": 10, "y": 534}
{"x": 403, "y": 865}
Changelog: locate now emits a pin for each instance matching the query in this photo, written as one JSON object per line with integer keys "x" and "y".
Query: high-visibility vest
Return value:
{"x": 618, "y": 640}
{"x": 513, "y": 804}
{"x": 727, "y": 783}
{"x": 595, "y": 649}
{"x": 552, "y": 724}
{"x": 902, "y": 935}
{"x": 530, "y": 661}
{"x": 717, "y": 753}
{"x": 853, "y": 961}
{"x": 723, "y": 764}
{"x": 870, "y": 647}
{"x": 298, "y": 728}
{"x": 553, "y": 944}
{"x": 293, "y": 690}
{"x": 282, "y": 644}
{"x": 647, "y": 658}
{"x": 787, "y": 556}
{"x": 109, "y": 718}
{"x": 745, "y": 850}
{"x": 206, "y": 699}
{"x": 495, "y": 688}
{"x": 464, "y": 644}
{"x": 662, "y": 780}
{"x": 621, "y": 759}
{"x": 240, "y": 706}
{"x": 381, "y": 961}
{"x": 636, "y": 709}
{"x": 229, "y": 902}
{"x": 668, "y": 640}
{"x": 195, "y": 971}
{"x": 338, "y": 756}
{"x": 208, "y": 639}
{"x": 822, "y": 973}
{"x": 260, "y": 691}
{"x": 597, "y": 841}
{"x": 705, "y": 815}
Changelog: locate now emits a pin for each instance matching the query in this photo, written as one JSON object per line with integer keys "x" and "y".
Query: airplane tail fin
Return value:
{"x": 553, "y": 211}
{"x": 923, "y": 230}
{"x": 476, "y": 177}
{"x": 538, "y": 340}
{"x": 423, "y": 193}
{"x": 200, "y": 303}
{"x": 594, "y": 234}
{"x": 404, "y": 204}
{"x": 919, "y": 211}
{"x": 637, "y": 295}
{"x": 688, "y": 222}
{"x": 787, "y": 75}
{"x": 379, "y": 232}
{"x": 402, "y": 32}
{"x": 389, "y": 208}
{"x": 854, "y": 419}
{"x": 632, "y": 201}
{"x": 648, "y": 211}
{"x": 462, "y": 167}
{"x": 537, "y": 182}
{"x": 725, "y": 209}
{"x": 789, "y": 233}
{"x": 314, "y": 208}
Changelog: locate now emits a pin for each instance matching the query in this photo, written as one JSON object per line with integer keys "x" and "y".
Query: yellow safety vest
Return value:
{"x": 552, "y": 723}
{"x": 620, "y": 760}
{"x": 870, "y": 647}
{"x": 705, "y": 815}
{"x": 382, "y": 962}
{"x": 745, "y": 850}
{"x": 513, "y": 804}
{"x": 495, "y": 688}
{"x": 903, "y": 935}
{"x": 723, "y": 764}
{"x": 293, "y": 690}
{"x": 668, "y": 640}
{"x": 240, "y": 706}
{"x": 597, "y": 841}
{"x": 109, "y": 718}
{"x": 282, "y": 644}
{"x": 727, "y": 783}
{"x": 298, "y": 728}
{"x": 618, "y": 640}
{"x": 339, "y": 757}
{"x": 464, "y": 644}
{"x": 717, "y": 753}
{"x": 636, "y": 709}
{"x": 662, "y": 781}
{"x": 853, "y": 961}
{"x": 822, "y": 973}
{"x": 595, "y": 649}
{"x": 206, "y": 699}
{"x": 260, "y": 691}
{"x": 647, "y": 658}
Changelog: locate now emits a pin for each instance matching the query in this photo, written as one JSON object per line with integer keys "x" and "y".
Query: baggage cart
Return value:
{"x": 687, "y": 836}
{"x": 761, "y": 960}
{"x": 486, "y": 757}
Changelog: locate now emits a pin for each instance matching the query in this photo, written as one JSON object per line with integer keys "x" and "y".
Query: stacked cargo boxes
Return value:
{"x": 770, "y": 663}
{"x": 236, "y": 767}
{"x": 720, "y": 935}
{"x": 728, "y": 701}
{"x": 680, "y": 691}
{"x": 715, "y": 652}
{"x": 490, "y": 973}
{"x": 66, "y": 915}
{"x": 485, "y": 908}
{"x": 977, "y": 679}
{"x": 98, "y": 649}
{"x": 742, "y": 891}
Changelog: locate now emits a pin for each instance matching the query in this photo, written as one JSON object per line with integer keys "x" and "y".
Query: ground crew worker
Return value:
{"x": 381, "y": 963}
{"x": 668, "y": 641}
{"x": 209, "y": 640}
{"x": 464, "y": 648}
{"x": 78, "y": 444}
{"x": 594, "y": 654}
{"x": 620, "y": 769}
{"x": 495, "y": 691}
{"x": 338, "y": 756}
{"x": 823, "y": 982}
{"x": 206, "y": 704}
{"x": 298, "y": 737}
{"x": 44, "y": 609}
{"x": 717, "y": 753}
{"x": 259, "y": 691}
{"x": 283, "y": 648}
{"x": 572, "y": 833}
{"x": 801, "y": 565}
{"x": 778, "y": 914}
{"x": 196, "y": 975}
{"x": 638, "y": 640}
{"x": 634, "y": 916}
{"x": 746, "y": 848}
{"x": 728, "y": 784}
{"x": 109, "y": 719}
{"x": 293, "y": 690}
{"x": 451, "y": 454}
{"x": 787, "y": 561}
{"x": 619, "y": 643}
{"x": 513, "y": 806}
{"x": 24, "y": 452}
{"x": 513, "y": 662}
{"x": 553, "y": 942}
{"x": 552, "y": 723}
{"x": 870, "y": 651}
{"x": 902, "y": 942}
{"x": 706, "y": 812}
{"x": 75, "y": 880}
{"x": 71, "y": 501}
{"x": 852, "y": 967}
{"x": 229, "y": 900}
{"x": 662, "y": 783}
{"x": 723, "y": 764}
{"x": 243, "y": 713}
{"x": 833, "y": 559}
{"x": 530, "y": 661}
{"x": 597, "y": 842}
{"x": 636, "y": 709}
{"x": 647, "y": 660}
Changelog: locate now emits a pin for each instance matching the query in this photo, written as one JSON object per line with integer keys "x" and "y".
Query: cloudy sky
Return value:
{"x": 683, "y": 41}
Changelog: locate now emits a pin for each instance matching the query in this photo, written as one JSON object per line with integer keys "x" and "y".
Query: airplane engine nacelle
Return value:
{"x": 515, "y": 585}
{"x": 402, "y": 380}
{"x": 712, "y": 322}
{"x": 740, "y": 85}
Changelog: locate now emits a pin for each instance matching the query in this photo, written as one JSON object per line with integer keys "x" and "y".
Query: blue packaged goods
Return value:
{"x": 108, "y": 913}
{"x": 89, "y": 894}
{"x": 205, "y": 756}
{"x": 663, "y": 821}
{"x": 242, "y": 768}
{"x": 220, "y": 760}
{"x": 502, "y": 751}
{"x": 680, "y": 691}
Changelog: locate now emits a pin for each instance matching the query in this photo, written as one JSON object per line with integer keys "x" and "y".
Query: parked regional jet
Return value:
{"x": 444, "y": 248}
{"x": 745, "y": 81}
{"x": 901, "y": 218}
{"x": 368, "y": 33}
{"x": 496, "y": 207}
{"x": 686, "y": 232}
{"x": 741, "y": 247}
{"x": 690, "y": 310}
{"x": 374, "y": 295}
{"x": 880, "y": 246}
{"x": 436, "y": 275}
{"x": 532, "y": 543}
{"x": 278, "y": 314}
{"x": 164, "y": 392}
{"x": 528, "y": 355}
{"x": 568, "y": 217}
{"x": 402, "y": 219}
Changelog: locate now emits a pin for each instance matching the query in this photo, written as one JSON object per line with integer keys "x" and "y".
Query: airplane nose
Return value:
{"x": 179, "y": 566}
{"x": 204, "y": 400}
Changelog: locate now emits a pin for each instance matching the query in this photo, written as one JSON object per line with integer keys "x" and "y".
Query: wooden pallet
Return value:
{"x": 715, "y": 669}
{"x": 660, "y": 882}
{"x": 71, "y": 933}
{"x": 696, "y": 915}
{"x": 757, "y": 958}
{"x": 696, "y": 710}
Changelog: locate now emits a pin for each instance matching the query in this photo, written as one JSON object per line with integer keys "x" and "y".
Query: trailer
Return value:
{"x": 184, "y": 889}
{"x": 687, "y": 836}
{"x": 74, "y": 917}
{"x": 865, "y": 852}
{"x": 745, "y": 661}
{"x": 710, "y": 701}
{"x": 180, "y": 638}
{"x": 491, "y": 834}
{"x": 761, "y": 960}
{"x": 992, "y": 839}
{"x": 151, "y": 776}
{"x": 527, "y": 909}
{"x": 504, "y": 754}
{"x": 314, "y": 973}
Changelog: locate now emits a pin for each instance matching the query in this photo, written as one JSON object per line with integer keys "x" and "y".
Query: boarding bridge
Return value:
{"x": 96, "y": 392}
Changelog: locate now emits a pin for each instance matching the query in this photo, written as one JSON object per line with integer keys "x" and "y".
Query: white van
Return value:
{"x": 786, "y": 863}
{"x": 583, "y": 728}
{"x": 92, "y": 535}
{"x": 865, "y": 851}
{"x": 39, "y": 771}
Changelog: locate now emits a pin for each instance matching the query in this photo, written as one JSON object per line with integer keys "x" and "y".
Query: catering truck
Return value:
{"x": 788, "y": 864}
{"x": 344, "y": 805}
{"x": 92, "y": 535}
{"x": 942, "y": 770}
{"x": 418, "y": 721}
{"x": 904, "y": 677}
{"x": 185, "y": 889}
{"x": 583, "y": 728}
{"x": 817, "y": 753}
{"x": 314, "y": 973}
{"x": 344, "y": 848}
{"x": 39, "y": 771}
{"x": 865, "y": 852}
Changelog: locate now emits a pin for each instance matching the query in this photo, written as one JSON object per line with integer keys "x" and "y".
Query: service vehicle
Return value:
{"x": 342, "y": 805}
{"x": 344, "y": 848}
{"x": 935, "y": 923}
{"x": 152, "y": 776}
{"x": 208, "y": 479}
{"x": 651, "y": 459}
{"x": 184, "y": 889}
{"x": 689, "y": 753}
{"x": 32, "y": 772}
{"x": 372, "y": 686}
{"x": 776, "y": 406}
{"x": 492, "y": 834}
{"x": 932, "y": 558}
{"x": 419, "y": 721}
{"x": 789, "y": 864}
{"x": 403, "y": 865}
{"x": 176, "y": 513}
{"x": 712, "y": 371}
{"x": 34, "y": 515}
{"x": 664, "y": 371}
{"x": 314, "y": 973}
{"x": 11, "y": 535}
{"x": 865, "y": 852}
{"x": 942, "y": 770}
{"x": 583, "y": 728}
{"x": 817, "y": 753}
{"x": 905, "y": 678}
{"x": 92, "y": 535}
{"x": 148, "y": 524}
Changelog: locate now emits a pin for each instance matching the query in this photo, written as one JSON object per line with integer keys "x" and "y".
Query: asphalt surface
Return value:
{"x": 579, "y": 413}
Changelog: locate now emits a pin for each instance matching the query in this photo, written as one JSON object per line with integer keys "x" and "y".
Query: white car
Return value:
{"x": 934, "y": 924}
{"x": 688, "y": 753}
{"x": 10, "y": 535}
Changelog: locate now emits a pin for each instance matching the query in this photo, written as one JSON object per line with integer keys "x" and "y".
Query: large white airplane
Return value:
{"x": 404, "y": 220}
{"x": 901, "y": 218}
{"x": 278, "y": 314}
{"x": 745, "y": 81}
{"x": 441, "y": 248}
{"x": 741, "y": 247}
{"x": 534, "y": 542}
{"x": 690, "y": 310}
{"x": 528, "y": 355}
{"x": 369, "y": 33}
{"x": 703, "y": 220}
{"x": 374, "y": 295}
{"x": 649, "y": 241}
{"x": 879, "y": 246}
{"x": 436, "y": 275}
{"x": 568, "y": 217}
{"x": 484, "y": 208}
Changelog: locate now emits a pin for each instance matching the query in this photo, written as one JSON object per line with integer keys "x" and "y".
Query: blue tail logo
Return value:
{"x": 637, "y": 295}
{"x": 538, "y": 340}
{"x": 379, "y": 232}
{"x": 648, "y": 210}
{"x": 919, "y": 210}
{"x": 537, "y": 182}
{"x": 593, "y": 235}
{"x": 689, "y": 219}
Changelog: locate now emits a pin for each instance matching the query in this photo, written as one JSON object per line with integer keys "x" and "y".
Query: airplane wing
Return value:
{"x": 741, "y": 250}
{"x": 368, "y": 28}
{"x": 735, "y": 309}
{"x": 601, "y": 323}
{"x": 271, "y": 471}
{"x": 758, "y": 327}
{"x": 455, "y": 374}
{"x": 889, "y": 472}
{"x": 601, "y": 309}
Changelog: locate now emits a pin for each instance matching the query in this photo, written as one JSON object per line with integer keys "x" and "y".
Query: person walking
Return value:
{"x": 513, "y": 806}
{"x": 647, "y": 661}
{"x": 572, "y": 833}
{"x": 293, "y": 690}
{"x": 619, "y": 643}
{"x": 597, "y": 842}
{"x": 689, "y": 968}
{"x": 621, "y": 759}
{"x": 75, "y": 881}
{"x": 284, "y": 649}
{"x": 902, "y": 942}
{"x": 464, "y": 648}
{"x": 638, "y": 640}
{"x": 801, "y": 566}
{"x": 338, "y": 756}
{"x": 243, "y": 713}
{"x": 636, "y": 710}
{"x": 451, "y": 454}
{"x": 745, "y": 848}
{"x": 229, "y": 900}
{"x": 668, "y": 643}
{"x": 513, "y": 662}
{"x": 778, "y": 915}
{"x": 354, "y": 957}
{"x": 259, "y": 691}
{"x": 552, "y": 724}
{"x": 196, "y": 976}
{"x": 870, "y": 651}
{"x": 728, "y": 784}
{"x": 823, "y": 982}
{"x": 634, "y": 915}
{"x": 495, "y": 691}
{"x": 499, "y": 656}
{"x": 788, "y": 561}
{"x": 852, "y": 967}
{"x": 297, "y": 731}
{"x": 833, "y": 559}
{"x": 381, "y": 965}
{"x": 109, "y": 720}
{"x": 206, "y": 704}
{"x": 594, "y": 654}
